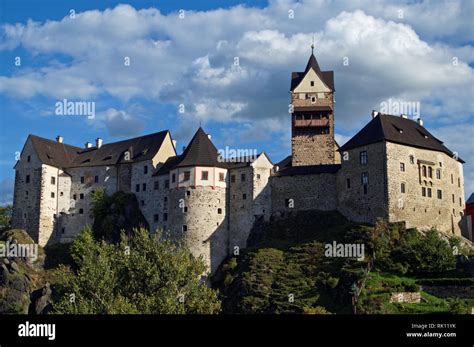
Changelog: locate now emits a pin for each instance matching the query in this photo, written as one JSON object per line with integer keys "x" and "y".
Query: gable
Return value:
{"x": 304, "y": 85}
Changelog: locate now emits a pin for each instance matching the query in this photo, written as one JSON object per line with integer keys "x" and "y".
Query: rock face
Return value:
{"x": 15, "y": 289}
{"x": 41, "y": 300}
{"x": 122, "y": 213}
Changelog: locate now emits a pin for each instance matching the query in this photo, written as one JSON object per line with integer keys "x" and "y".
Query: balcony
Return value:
{"x": 311, "y": 122}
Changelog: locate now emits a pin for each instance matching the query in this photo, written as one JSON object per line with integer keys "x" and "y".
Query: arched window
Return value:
{"x": 423, "y": 170}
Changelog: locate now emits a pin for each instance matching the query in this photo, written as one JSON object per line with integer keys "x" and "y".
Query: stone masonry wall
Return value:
{"x": 353, "y": 203}
{"x": 303, "y": 192}
{"x": 424, "y": 212}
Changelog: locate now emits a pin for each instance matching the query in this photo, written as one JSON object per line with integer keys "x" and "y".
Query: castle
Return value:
{"x": 393, "y": 168}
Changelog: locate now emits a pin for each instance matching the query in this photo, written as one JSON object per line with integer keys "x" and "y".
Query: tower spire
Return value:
{"x": 312, "y": 45}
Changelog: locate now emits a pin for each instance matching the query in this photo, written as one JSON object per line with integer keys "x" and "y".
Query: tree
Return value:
{"x": 5, "y": 217}
{"x": 140, "y": 274}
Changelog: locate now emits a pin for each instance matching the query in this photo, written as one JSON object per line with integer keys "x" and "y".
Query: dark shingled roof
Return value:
{"x": 308, "y": 170}
{"x": 62, "y": 155}
{"x": 54, "y": 153}
{"x": 200, "y": 152}
{"x": 326, "y": 76}
{"x": 285, "y": 162}
{"x": 470, "y": 200}
{"x": 399, "y": 130}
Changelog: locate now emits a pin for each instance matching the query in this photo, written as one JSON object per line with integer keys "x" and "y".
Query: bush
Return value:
{"x": 446, "y": 281}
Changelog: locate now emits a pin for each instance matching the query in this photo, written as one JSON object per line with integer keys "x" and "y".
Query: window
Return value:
{"x": 156, "y": 185}
{"x": 61, "y": 194}
{"x": 81, "y": 196}
{"x": 165, "y": 217}
{"x": 365, "y": 189}
{"x": 412, "y": 159}
{"x": 74, "y": 197}
{"x": 81, "y": 211}
{"x": 460, "y": 202}
{"x": 27, "y": 179}
{"x": 185, "y": 209}
{"x": 365, "y": 178}
{"x": 26, "y": 193}
{"x": 221, "y": 177}
{"x": 242, "y": 177}
{"x": 167, "y": 183}
{"x": 53, "y": 180}
{"x": 144, "y": 186}
{"x": 312, "y": 83}
{"x": 244, "y": 196}
{"x": 188, "y": 193}
{"x": 348, "y": 183}
{"x": 440, "y": 194}
{"x": 28, "y": 159}
{"x": 52, "y": 194}
{"x": 82, "y": 179}
{"x": 63, "y": 230}
{"x": 155, "y": 217}
{"x": 402, "y": 188}
{"x": 313, "y": 99}
{"x": 187, "y": 175}
{"x": 173, "y": 178}
{"x": 459, "y": 182}
{"x": 453, "y": 198}
{"x": 185, "y": 227}
{"x": 363, "y": 157}
{"x": 452, "y": 179}
{"x": 204, "y": 175}
{"x": 137, "y": 188}
{"x": 402, "y": 167}
{"x": 258, "y": 176}
{"x": 165, "y": 199}
{"x": 145, "y": 169}
{"x": 430, "y": 172}
{"x": 438, "y": 174}
{"x": 232, "y": 178}
{"x": 96, "y": 179}
{"x": 429, "y": 192}
{"x": 142, "y": 202}
{"x": 219, "y": 211}
{"x": 423, "y": 170}
{"x": 423, "y": 191}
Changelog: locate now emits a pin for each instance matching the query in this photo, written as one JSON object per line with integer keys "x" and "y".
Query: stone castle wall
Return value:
{"x": 444, "y": 212}
{"x": 353, "y": 203}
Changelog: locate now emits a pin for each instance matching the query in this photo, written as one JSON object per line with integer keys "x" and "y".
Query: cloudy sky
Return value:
{"x": 227, "y": 65}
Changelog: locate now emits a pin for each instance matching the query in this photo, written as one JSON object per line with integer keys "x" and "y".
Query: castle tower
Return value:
{"x": 312, "y": 120}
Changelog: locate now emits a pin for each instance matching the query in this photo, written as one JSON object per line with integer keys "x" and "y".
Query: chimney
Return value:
{"x": 209, "y": 136}
{"x": 88, "y": 145}
{"x": 420, "y": 121}
{"x": 374, "y": 113}
{"x": 59, "y": 139}
{"x": 98, "y": 142}
{"x": 403, "y": 115}
{"x": 174, "y": 144}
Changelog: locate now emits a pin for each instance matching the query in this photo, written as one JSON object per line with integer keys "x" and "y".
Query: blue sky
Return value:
{"x": 413, "y": 51}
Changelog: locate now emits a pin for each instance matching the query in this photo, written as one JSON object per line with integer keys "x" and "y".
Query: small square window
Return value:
{"x": 188, "y": 193}
{"x": 27, "y": 179}
{"x": 440, "y": 194}
{"x": 96, "y": 179}
{"x": 185, "y": 209}
{"x": 204, "y": 175}
{"x": 165, "y": 217}
{"x": 219, "y": 211}
{"x": 244, "y": 196}
{"x": 412, "y": 159}
{"x": 145, "y": 169}
{"x": 63, "y": 230}
{"x": 348, "y": 183}
{"x": 185, "y": 228}
{"x": 74, "y": 197}
{"x": 232, "y": 178}
{"x": 28, "y": 159}
{"x": 26, "y": 193}
{"x": 144, "y": 186}
{"x": 402, "y": 167}
{"x": 312, "y": 83}
{"x": 137, "y": 188}
{"x": 187, "y": 175}
{"x": 363, "y": 157}
{"x": 402, "y": 188}
{"x": 258, "y": 176}
{"x": 429, "y": 192}
{"x": 173, "y": 178}
{"x": 242, "y": 177}
{"x": 53, "y": 180}
{"x": 142, "y": 202}
{"x": 221, "y": 177}
{"x": 423, "y": 191}
{"x": 82, "y": 179}
{"x": 81, "y": 211}
{"x": 81, "y": 196}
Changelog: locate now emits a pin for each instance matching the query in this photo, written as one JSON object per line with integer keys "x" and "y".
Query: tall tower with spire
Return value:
{"x": 312, "y": 119}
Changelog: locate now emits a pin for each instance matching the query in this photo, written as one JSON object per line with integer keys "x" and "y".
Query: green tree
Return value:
{"x": 5, "y": 217}
{"x": 140, "y": 274}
